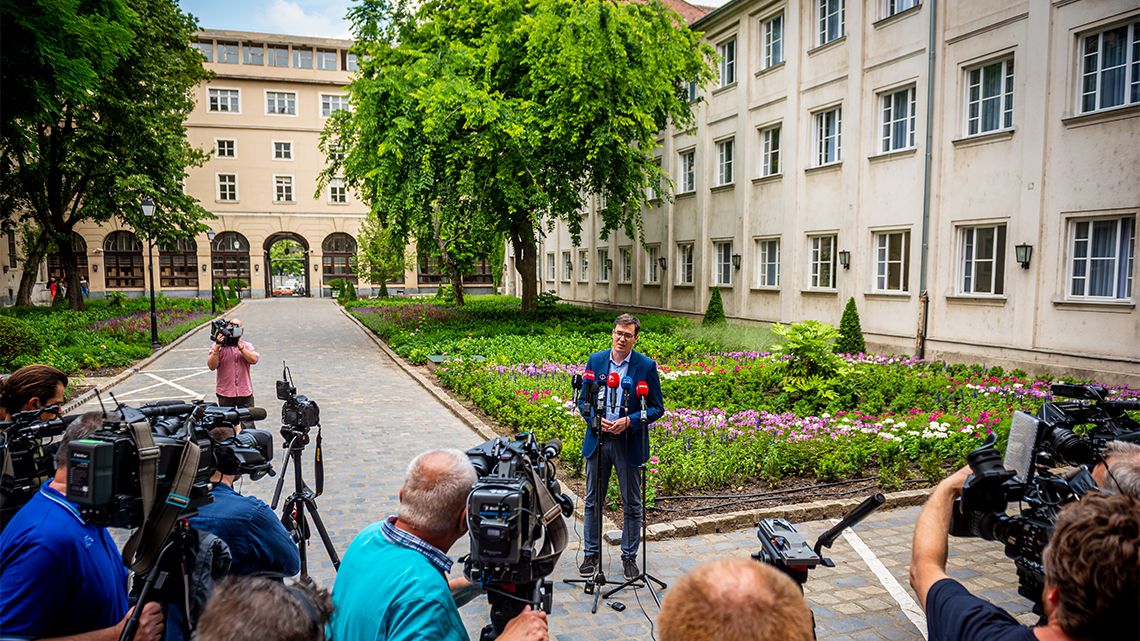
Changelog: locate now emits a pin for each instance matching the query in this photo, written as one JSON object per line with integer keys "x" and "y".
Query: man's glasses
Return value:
{"x": 626, "y": 335}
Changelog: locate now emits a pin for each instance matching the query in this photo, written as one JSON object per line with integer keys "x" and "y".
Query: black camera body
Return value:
{"x": 26, "y": 457}
{"x": 231, "y": 333}
{"x": 298, "y": 412}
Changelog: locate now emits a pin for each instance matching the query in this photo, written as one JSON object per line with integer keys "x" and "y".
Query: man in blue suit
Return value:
{"x": 623, "y": 441}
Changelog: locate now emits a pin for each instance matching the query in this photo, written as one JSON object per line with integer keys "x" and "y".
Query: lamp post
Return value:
{"x": 148, "y": 212}
{"x": 213, "y": 301}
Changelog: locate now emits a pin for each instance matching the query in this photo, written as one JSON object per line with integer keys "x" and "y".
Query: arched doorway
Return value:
{"x": 287, "y": 265}
{"x": 123, "y": 261}
{"x": 339, "y": 260}
{"x": 229, "y": 258}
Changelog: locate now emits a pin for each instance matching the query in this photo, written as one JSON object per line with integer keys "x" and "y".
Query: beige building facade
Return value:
{"x": 807, "y": 181}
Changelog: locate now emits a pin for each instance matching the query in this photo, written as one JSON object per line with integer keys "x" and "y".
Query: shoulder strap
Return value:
{"x": 153, "y": 533}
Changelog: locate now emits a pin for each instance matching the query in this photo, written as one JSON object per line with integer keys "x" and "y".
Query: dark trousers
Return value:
{"x": 612, "y": 454}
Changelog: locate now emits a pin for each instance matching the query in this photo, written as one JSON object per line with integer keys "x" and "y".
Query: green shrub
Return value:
{"x": 809, "y": 344}
{"x": 17, "y": 338}
{"x": 850, "y": 339}
{"x": 547, "y": 301}
{"x": 445, "y": 294}
{"x": 116, "y": 299}
{"x": 236, "y": 285}
{"x": 715, "y": 312}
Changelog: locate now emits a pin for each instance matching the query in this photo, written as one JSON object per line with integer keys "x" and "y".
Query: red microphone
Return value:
{"x": 613, "y": 381}
{"x": 642, "y": 392}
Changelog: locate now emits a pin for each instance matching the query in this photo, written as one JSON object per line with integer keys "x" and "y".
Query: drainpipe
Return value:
{"x": 924, "y": 295}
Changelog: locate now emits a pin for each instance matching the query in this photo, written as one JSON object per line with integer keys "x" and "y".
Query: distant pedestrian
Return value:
{"x": 83, "y": 286}
{"x": 53, "y": 287}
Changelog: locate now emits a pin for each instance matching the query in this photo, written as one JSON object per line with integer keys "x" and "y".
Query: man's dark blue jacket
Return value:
{"x": 635, "y": 439}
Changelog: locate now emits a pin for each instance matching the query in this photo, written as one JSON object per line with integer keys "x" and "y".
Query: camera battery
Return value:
{"x": 91, "y": 472}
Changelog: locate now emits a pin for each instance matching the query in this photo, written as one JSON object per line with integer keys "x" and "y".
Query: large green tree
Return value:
{"x": 487, "y": 117}
{"x": 103, "y": 89}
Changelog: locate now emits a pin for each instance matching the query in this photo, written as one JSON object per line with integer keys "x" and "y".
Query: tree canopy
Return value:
{"x": 483, "y": 118}
{"x": 104, "y": 87}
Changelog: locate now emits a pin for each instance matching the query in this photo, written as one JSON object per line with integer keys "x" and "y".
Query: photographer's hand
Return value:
{"x": 930, "y": 546}
{"x": 530, "y": 625}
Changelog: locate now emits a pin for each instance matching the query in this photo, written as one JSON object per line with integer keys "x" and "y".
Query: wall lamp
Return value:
{"x": 661, "y": 261}
{"x": 845, "y": 259}
{"x": 256, "y": 267}
{"x": 736, "y": 261}
{"x": 95, "y": 267}
{"x": 203, "y": 267}
{"x": 1023, "y": 253}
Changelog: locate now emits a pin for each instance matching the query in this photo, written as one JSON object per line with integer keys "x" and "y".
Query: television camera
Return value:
{"x": 1063, "y": 433}
{"x": 26, "y": 457}
{"x": 515, "y": 515}
{"x": 230, "y": 332}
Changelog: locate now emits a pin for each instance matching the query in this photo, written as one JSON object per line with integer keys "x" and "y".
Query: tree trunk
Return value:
{"x": 35, "y": 254}
{"x": 69, "y": 262}
{"x": 526, "y": 262}
{"x": 445, "y": 258}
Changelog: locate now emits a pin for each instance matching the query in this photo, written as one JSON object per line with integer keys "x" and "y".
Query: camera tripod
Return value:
{"x": 595, "y": 584}
{"x": 644, "y": 577}
{"x": 169, "y": 575}
{"x": 303, "y": 499}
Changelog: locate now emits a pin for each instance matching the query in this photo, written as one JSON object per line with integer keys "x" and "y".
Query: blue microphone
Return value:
{"x": 626, "y": 388}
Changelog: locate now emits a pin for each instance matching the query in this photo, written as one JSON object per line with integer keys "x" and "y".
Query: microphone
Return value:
{"x": 626, "y": 386}
{"x": 576, "y": 384}
{"x": 587, "y": 383}
{"x": 612, "y": 382}
{"x": 642, "y": 392}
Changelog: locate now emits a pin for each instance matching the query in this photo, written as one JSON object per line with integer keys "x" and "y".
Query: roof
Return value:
{"x": 690, "y": 12}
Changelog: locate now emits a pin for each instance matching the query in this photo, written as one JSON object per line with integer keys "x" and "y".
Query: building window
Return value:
{"x": 228, "y": 53}
{"x": 254, "y": 53}
{"x": 684, "y": 263}
{"x": 55, "y": 261}
{"x": 12, "y": 249}
{"x": 898, "y": 120}
{"x": 1110, "y": 68}
{"x": 122, "y": 261}
{"x": 350, "y": 62}
{"x": 652, "y": 261}
{"x": 772, "y": 31}
{"x": 332, "y": 103}
{"x": 278, "y": 56}
{"x": 625, "y": 265}
{"x": 206, "y": 48}
{"x": 282, "y": 189}
{"x": 281, "y": 102}
{"x": 770, "y": 147}
{"x": 727, "y": 52}
{"x": 338, "y": 193}
{"x": 822, "y": 265}
{"x": 550, "y": 273}
{"x": 229, "y": 257}
{"x": 768, "y": 262}
{"x": 654, "y": 191}
{"x": 724, "y": 154}
{"x": 722, "y": 269}
{"x": 830, "y": 15}
{"x": 892, "y": 261}
{"x": 989, "y": 97}
{"x": 282, "y": 150}
{"x": 178, "y": 264}
{"x": 227, "y": 187}
{"x": 891, "y": 7}
{"x": 583, "y": 266}
{"x": 338, "y": 257}
{"x": 303, "y": 58}
{"x": 1103, "y": 254}
{"x": 691, "y": 91}
{"x": 603, "y": 266}
{"x": 982, "y": 263}
{"x": 225, "y": 148}
{"x": 688, "y": 171}
{"x": 567, "y": 267}
{"x": 828, "y": 137}
{"x": 225, "y": 100}
{"x": 326, "y": 59}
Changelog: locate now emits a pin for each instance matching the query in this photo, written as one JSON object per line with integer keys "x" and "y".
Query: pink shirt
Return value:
{"x": 233, "y": 371}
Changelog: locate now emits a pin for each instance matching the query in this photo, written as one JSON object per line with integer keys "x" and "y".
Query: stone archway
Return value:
{"x": 287, "y": 266}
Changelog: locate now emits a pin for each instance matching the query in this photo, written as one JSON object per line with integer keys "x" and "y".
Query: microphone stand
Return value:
{"x": 596, "y": 584}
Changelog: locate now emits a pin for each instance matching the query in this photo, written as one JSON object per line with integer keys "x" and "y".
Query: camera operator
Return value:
{"x": 232, "y": 362}
{"x": 59, "y": 576}
{"x": 1091, "y": 584}
{"x": 257, "y": 608}
{"x": 258, "y": 542}
{"x": 392, "y": 581}
{"x": 735, "y": 600}
{"x": 31, "y": 387}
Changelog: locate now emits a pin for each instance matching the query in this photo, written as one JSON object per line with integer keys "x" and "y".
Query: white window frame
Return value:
{"x": 218, "y": 148}
{"x": 692, "y": 91}
{"x": 821, "y": 254}
{"x": 206, "y": 48}
{"x": 625, "y": 265}
{"x": 824, "y": 10}
{"x": 881, "y": 244}
{"x": 894, "y": 7}
{"x": 278, "y": 97}
{"x": 688, "y": 174}
{"x": 218, "y": 196}
{"x": 249, "y": 47}
{"x": 977, "y": 102}
{"x": 567, "y": 267}
{"x": 551, "y": 272}
{"x": 684, "y": 263}
{"x": 824, "y": 134}
{"x": 770, "y": 162}
{"x": 603, "y": 268}
{"x": 891, "y": 138}
{"x": 1091, "y": 80}
{"x": 722, "y": 263}
{"x": 296, "y": 55}
{"x": 317, "y": 59}
{"x": 227, "y": 47}
{"x": 772, "y": 41}
{"x": 652, "y": 273}
{"x": 1123, "y": 246}
{"x": 969, "y": 263}
{"x": 328, "y": 109}
{"x": 286, "y": 147}
{"x": 351, "y": 62}
{"x": 654, "y": 191}
{"x": 725, "y": 160}
{"x": 768, "y": 262}
{"x": 214, "y": 96}
{"x": 583, "y": 265}
{"x": 726, "y": 61}
{"x": 336, "y": 184}
{"x": 271, "y": 51}
{"x": 279, "y": 184}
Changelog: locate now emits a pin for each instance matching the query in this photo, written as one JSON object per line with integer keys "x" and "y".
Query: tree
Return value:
{"x": 714, "y": 314}
{"x": 104, "y": 87}
{"x": 380, "y": 254}
{"x": 850, "y": 339}
{"x": 287, "y": 258}
{"x": 490, "y": 117}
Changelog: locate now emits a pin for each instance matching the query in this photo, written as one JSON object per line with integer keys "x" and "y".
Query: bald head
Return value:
{"x": 435, "y": 489}
{"x": 747, "y": 600}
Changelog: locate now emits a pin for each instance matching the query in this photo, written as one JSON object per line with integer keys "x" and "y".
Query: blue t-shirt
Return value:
{"x": 259, "y": 544}
{"x": 387, "y": 592}
{"x": 953, "y": 614}
{"x": 58, "y": 575}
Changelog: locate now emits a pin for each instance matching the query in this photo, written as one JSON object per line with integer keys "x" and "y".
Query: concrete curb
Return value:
{"x": 813, "y": 511}
{"x": 78, "y": 402}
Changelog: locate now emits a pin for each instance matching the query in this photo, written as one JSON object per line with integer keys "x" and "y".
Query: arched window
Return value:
{"x": 230, "y": 256}
{"x": 178, "y": 263}
{"x": 79, "y": 246}
{"x": 339, "y": 257}
{"x": 123, "y": 261}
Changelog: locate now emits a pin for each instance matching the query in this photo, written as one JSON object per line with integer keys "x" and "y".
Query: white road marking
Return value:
{"x": 898, "y": 593}
{"x": 184, "y": 390}
{"x": 178, "y": 369}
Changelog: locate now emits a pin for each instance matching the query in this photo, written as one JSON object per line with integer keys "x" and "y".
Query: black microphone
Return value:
{"x": 237, "y": 414}
{"x": 552, "y": 448}
{"x": 576, "y": 384}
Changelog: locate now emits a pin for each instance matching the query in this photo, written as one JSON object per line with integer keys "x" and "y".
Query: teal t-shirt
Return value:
{"x": 385, "y": 592}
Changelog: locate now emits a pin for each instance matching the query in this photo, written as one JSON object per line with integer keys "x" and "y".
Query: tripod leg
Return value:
{"x": 333, "y": 556}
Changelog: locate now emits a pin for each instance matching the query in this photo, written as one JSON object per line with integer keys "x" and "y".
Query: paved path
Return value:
{"x": 376, "y": 418}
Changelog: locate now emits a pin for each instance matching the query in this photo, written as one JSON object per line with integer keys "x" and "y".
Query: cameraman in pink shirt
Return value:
{"x": 231, "y": 357}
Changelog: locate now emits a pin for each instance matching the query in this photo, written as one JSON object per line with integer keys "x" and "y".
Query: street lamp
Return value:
{"x": 148, "y": 212}
{"x": 213, "y": 302}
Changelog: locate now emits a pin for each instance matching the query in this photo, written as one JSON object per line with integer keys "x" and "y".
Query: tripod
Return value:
{"x": 595, "y": 584}
{"x": 645, "y": 577}
{"x": 169, "y": 575}
{"x": 302, "y": 498}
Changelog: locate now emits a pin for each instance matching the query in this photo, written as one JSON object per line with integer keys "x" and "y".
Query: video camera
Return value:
{"x": 515, "y": 521}
{"x": 1037, "y": 444}
{"x": 230, "y": 332}
{"x": 299, "y": 413}
{"x": 26, "y": 457}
